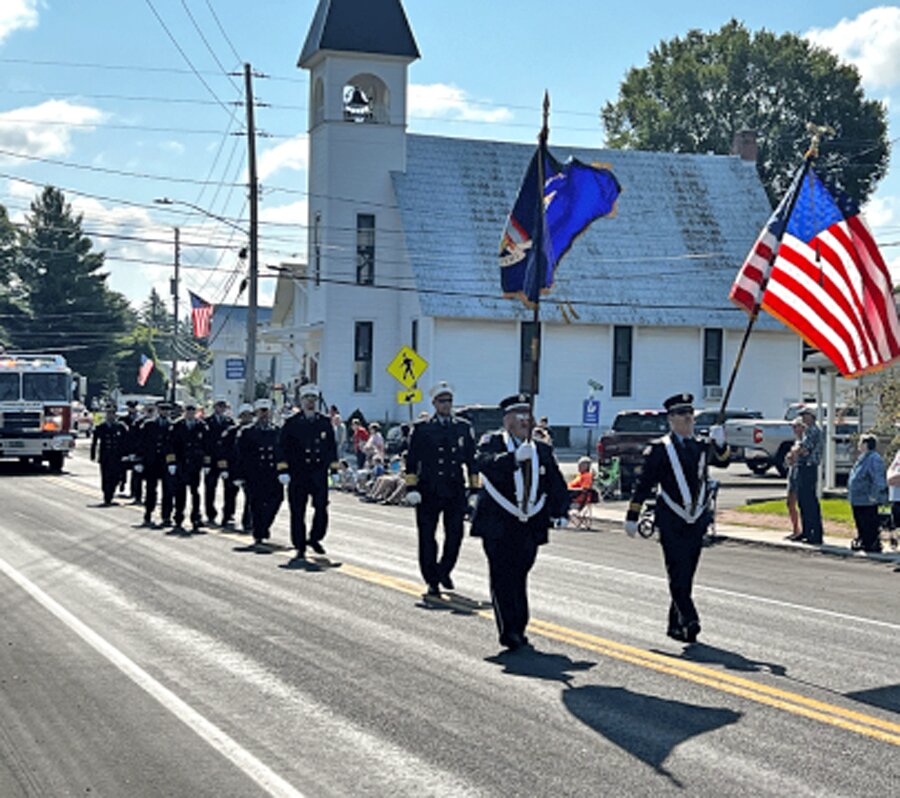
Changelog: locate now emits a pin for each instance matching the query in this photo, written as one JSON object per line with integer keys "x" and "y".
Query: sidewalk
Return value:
{"x": 762, "y": 536}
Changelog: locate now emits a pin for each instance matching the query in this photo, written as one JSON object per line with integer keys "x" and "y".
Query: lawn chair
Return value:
{"x": 581, "y": 513}
{"x": 608, "y": 481}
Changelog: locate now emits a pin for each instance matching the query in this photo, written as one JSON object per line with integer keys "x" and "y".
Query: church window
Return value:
{"x": 529, "y": 345}
{"x": 621, "y": 376}
{"x": 365, "y": 249}
{"x": 362, "y": 356}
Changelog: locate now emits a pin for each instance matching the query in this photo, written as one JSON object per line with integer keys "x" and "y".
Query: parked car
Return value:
{"x": 82, "y": 420}
{"x": 483, "y": 418}
{"x": 626, "y": 440}
{"x": 704, "y": 419}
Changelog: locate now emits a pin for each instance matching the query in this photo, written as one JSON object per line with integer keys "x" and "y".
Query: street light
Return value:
{"x": 250, "y": 359}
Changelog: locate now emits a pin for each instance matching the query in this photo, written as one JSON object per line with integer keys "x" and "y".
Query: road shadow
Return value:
{"x": 731, "y": 660}
{"x": 887, "y": 697}
{"x": 310, "y": 564}
{"x": 452, "y": 602}
{"x": 253, "y": 548}
{"x": 647, "y": 727}
{"x": 530, "y": 662}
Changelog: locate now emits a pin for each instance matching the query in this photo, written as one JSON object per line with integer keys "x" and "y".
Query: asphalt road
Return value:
{"x": 138, "y": 663}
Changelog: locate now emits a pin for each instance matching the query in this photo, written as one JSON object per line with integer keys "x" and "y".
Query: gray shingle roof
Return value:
{"x": 684, "y": 225}
{"x": 359, "y": 26}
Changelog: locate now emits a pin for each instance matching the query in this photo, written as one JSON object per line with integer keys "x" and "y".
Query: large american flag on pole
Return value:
{"x": 201, "y": 316}
{"x": 816, "y": 267}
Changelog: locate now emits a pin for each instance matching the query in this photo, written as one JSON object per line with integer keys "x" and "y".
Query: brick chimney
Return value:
{"x": 744, "y": 145}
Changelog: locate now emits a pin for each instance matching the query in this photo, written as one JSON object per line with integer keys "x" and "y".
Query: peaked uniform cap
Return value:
{"x": 679, "y": 402}
{"x": 440, "y": 388}
{"x": 246, "y": 407}
{"x": 309, "y": 390}
{"x": 519, "y": 401}
{"x": 263, "y": 404}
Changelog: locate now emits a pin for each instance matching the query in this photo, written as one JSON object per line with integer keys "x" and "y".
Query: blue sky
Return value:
{"x": 103, "y": 88}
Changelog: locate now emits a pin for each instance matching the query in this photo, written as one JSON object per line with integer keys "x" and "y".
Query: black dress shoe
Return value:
{"x": 433, "y": 590}
{"x": 317, "y": 547}
{"x": 447, "y": 582}
{"x": 691, "y": 630}
{"x": 676, "y": 633}
{"x": 513, "y": 641}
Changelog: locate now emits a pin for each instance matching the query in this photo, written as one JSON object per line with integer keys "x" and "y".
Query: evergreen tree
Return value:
{"x": 140, "y": 341}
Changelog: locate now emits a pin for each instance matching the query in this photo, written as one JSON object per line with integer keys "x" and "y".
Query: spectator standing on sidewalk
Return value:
{"x": 866, "y": 489}
{"x": 893, "y": 480}
{"x": 808, "y": 459}
{"x": 359, "y": 438}
{"x": 791, "y": 461}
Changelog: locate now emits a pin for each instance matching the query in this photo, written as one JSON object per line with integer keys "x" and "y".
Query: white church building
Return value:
{"x": 403, "y": 240}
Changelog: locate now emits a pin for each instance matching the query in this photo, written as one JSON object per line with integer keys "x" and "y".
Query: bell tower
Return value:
{"x": 357, "y": 53}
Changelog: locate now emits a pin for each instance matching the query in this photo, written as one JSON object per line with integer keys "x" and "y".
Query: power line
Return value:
{"x": 234, "y": 51}
{"x": 208, "y": 46}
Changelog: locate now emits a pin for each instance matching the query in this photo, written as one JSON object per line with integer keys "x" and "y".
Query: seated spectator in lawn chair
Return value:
{"x": 366, "y": 477}
{"x": 582, "y": 495}
{"x": 385, "y": 486}
{"x": 345, "y": 478}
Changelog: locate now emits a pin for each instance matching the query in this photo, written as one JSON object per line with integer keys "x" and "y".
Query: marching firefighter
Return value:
{"x": 189, "y": 452}
{"x": 309, "y": 447}
{"x": 260, "y": 466}
{"x": 111, "y": 438}
{"x": 522, "y": 494}
{"x": 219, "y": 422}
{"x": 132, "y": 420}
{"x": 677, "y": 463}
{"x": 438, "y": 449}
{"x": 152, "y": 446}
{"x": 227, "y": 465}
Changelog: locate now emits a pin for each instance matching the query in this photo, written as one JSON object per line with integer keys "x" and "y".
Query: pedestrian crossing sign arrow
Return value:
{"x": 409, "y": 397}
{"x": 407, "y": 366}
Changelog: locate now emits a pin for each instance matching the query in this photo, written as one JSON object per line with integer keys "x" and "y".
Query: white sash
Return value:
{"x": 689, "y": 510}
{"x": 534, "y": 505}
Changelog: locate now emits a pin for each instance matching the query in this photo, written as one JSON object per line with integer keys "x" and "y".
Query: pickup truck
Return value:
{"x": 626, "y": 440}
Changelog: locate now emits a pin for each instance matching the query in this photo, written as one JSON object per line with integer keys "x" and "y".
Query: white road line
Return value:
{"x": 270, "y": 781}
{"x": 731, "y": 593}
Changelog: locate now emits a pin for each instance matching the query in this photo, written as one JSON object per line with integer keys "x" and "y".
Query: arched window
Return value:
{"x": 366, "y": 99}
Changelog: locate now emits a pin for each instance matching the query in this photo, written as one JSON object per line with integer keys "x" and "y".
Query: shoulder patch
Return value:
{"x": 486, "y": 438}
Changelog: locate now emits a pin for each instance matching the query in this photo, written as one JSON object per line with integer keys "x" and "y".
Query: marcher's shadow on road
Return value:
{"x": 703, "y": 653}
{"x": 452, "y": 602}
{"x": 536, "y": 664}
{"x": 645, "y": 726}
{"x": 884, "y": 697}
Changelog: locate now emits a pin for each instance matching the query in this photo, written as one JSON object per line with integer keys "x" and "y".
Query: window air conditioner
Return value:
{"x": 712, "y": 391}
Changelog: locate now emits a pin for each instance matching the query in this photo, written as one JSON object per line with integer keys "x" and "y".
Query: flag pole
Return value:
{"x": 812, "y": 153}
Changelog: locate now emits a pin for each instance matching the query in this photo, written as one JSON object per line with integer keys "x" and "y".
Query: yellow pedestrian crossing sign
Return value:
{"x": 409, "y": 397}
{"x": 407, "y": 367}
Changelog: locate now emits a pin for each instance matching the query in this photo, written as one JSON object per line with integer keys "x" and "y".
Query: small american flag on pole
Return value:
{"x": 144, "y": 370}
{"x": 816, "y": 267}
{"x": 201, "y": 316}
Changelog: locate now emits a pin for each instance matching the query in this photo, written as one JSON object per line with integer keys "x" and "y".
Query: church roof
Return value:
{"x": 684, "y": 225}
{"x": 377, "y": 27}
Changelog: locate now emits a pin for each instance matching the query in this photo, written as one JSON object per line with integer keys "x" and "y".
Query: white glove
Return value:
{"x": 524, "y": 452}
{"x": 631, "y": 528}
{"x": 284, "y": 479}
{"x": 139, "y": 468}
{"x": 239, "y": 483}
{"x": 413, "y": 497}
{"x": 173, "y": 469}
{"x": 224, "y": 475}
{"x": 560, "y": 523}
{"x": 717, "y": 435}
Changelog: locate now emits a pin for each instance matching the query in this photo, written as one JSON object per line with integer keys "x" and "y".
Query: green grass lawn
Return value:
{"x": 832, "y": 509}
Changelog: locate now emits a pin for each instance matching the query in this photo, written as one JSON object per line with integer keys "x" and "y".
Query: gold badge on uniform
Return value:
{"x": 323, "y": 435}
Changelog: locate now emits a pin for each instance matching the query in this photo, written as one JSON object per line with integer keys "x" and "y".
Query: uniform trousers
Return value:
{"x": 510, "y": 558}
{"x": 246, "y": 515}
{"x": 209, "y": 495}
{"x": 300, "y": 489}
{"x": 265, "y": 499}
{"x": 110, "y": 474}
{"x": 427, "y": 514}
{"x": 184, "y": 482}
{"x": 810, "y": 512}
{"x": 137, "y": 485}
{"x": 681, "y": 545}
{"x": 152, "y": 478}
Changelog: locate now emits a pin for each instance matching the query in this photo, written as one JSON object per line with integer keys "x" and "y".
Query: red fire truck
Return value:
{"x": 36, "y": 408}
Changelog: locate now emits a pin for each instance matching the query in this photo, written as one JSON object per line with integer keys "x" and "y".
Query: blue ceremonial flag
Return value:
{"x": 538, "y": 233}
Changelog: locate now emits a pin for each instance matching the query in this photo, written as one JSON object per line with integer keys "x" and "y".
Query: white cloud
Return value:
{"x": 870, "y": 41}
{"x": 45, "y": 130}
{"x": 880, "y": 211}
{"x": 285, "y": 240}
{"x": 16, "y": 14}
{"x": 442, "y": 100}
{"x": 173, "y": 147}
{"x": 290, "y": 154}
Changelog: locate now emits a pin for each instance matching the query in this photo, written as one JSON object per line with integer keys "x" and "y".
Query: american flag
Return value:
{"x": 816, "y": 267}
{"x": 144, "y": 370}
{"x": 201, "y": 316}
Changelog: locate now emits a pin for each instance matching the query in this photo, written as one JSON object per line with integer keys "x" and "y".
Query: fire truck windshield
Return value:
{"x": 45, "y": 387}
{"x": 9, "y": 387}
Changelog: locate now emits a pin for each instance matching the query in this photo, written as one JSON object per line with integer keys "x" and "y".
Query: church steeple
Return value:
{"x": 371, "y": 27}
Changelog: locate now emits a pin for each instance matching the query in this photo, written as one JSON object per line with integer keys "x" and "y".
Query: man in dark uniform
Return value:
{"x": 152, "y": 448}
{"x": 522, "y": 494}
{"x": 218, "y": 423}
{"x": 309, "y": 447}
{"x": 132, "y": 420}
{"x": 227, "y": 463}
{"x": 438, "y": 449}
{"x": 260, "y": 466}
{"x": 111, "y": 437}
{"x": 190, "y": 448}
{"x": 677, "y": 463}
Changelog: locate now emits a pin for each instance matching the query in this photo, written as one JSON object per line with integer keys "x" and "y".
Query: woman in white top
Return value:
{"x": 893, "y": 480}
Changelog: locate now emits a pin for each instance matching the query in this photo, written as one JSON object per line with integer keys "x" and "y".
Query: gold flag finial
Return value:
{"x": 816, "y": 133}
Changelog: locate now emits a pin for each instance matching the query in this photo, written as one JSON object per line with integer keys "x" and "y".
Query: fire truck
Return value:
{"x": 36, "y": 408}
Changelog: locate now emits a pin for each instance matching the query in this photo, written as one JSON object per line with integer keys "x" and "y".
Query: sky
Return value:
{"x": 122, "y": 102}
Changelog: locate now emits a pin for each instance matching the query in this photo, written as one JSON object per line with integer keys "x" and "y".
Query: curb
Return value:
{"x": 829, "y": 549}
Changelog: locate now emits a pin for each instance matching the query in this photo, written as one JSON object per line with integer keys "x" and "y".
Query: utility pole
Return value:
{"x": 174, "y": 379}
{"x": 250, "y": 366}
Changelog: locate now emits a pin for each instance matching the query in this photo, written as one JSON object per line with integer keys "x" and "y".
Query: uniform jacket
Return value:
{"x": 152, "y": 442}
{"x": 112, "y": 440}
{"x": 217, "y": 426}
{"x": 498, "y": 510}
{"x": 190, "y": 445}
{"x": 258, "y": 458}
{"x": 226, "y": 448}
{"x": 308, "y": 444}
{"x": 436, "y": 455}
{"x": 683, "y": 495}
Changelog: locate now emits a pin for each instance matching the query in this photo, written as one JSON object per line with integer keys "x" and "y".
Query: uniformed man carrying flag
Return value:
{"x": 111, "y": 437}
{"x": 439, "y": 447}
{"x": 677, "y": 463}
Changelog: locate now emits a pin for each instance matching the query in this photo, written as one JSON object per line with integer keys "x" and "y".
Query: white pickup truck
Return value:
{"x": 766, "y": 442}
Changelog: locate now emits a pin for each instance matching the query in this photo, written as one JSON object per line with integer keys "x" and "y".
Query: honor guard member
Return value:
{"x": 227, "y": 465}
{"x": 111, "y": 437}
{"x": 217, "y": 423}
{"x": 261, "y": 468}
{"x": 309, "y": 446}
{"x": 152, "y": 448}
{"x": 439, "y": 447}
{"x": 522, "y": 494}
{"x": 190, "y": 453}
{"x": 676, "y": 465}
{"x": 132, "y": 420}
